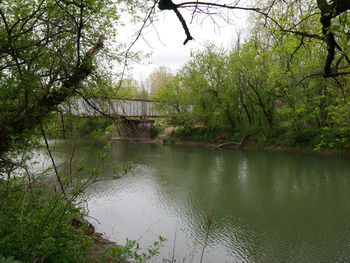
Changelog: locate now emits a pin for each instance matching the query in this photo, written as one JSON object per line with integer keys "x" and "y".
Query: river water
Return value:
{"x": 264, "y": 207}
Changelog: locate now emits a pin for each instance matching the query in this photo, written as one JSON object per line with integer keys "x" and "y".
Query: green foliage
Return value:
{"x": 35, "y": 224}
{"x": 50, "y": 52}
{"x": 78, "y": 127}
{"x": 132, "y": 251}
{"x": 264, "y": 90}
{"x": 158, "y": 79}
{"x": 105, "y": 88}
{"x": 158, "y": 128}
{"x": 173, "y": 101}
{"x": 8, "y": 260}
{"x": 202, "y": 133}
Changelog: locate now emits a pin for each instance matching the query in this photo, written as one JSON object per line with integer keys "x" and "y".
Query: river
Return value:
{"x": 264, "y": 207}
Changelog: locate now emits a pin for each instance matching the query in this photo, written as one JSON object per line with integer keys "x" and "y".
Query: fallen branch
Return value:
{"x": 225, "y": 144}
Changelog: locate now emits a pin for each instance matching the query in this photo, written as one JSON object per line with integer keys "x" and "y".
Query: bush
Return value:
{"x": 35, "y": 226}
{"x": 132, "y": 251}
{"x": 201, "y": 133}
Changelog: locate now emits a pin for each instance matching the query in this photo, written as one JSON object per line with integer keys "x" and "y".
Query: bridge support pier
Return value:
{"x": 131, "y": 129}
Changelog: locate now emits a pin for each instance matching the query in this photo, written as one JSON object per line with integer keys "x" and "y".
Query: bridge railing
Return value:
{"x": 113, "y": 107}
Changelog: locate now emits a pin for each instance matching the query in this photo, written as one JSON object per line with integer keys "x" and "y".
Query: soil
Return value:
{"x": 99, "y": 246}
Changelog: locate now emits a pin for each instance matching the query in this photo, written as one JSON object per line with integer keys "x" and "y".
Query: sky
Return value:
{"x": 165, "y": 40}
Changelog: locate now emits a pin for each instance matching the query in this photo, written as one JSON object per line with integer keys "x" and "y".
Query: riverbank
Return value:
{"x": 252, "y": 146}
{"x": 172, "y": 135}
{"x": 307, "y": 140}
{"x": 99, "y": 247}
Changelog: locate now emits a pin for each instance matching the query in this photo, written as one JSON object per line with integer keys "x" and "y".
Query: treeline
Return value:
{"x": 269, "y": 89}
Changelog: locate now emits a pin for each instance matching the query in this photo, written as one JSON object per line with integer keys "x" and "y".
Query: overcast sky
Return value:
{"x": 168, "y": 49}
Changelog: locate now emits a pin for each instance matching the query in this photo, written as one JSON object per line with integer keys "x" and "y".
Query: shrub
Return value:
{"x": 132, "y": 250}
{"x": 35, "y": 224}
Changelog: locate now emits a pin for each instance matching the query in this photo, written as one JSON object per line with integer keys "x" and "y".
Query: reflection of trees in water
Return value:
{"x": 75, "y": 155}
{"x": 123, "y": 150}
{"x": 260, "y": 200}
{"x": 266, "y": 205}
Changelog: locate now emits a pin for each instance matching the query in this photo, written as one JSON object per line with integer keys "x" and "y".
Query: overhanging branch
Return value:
{"x": 169, "y": 5}
{"x": 329, "y": 10}
{"x": 26, "y": 119}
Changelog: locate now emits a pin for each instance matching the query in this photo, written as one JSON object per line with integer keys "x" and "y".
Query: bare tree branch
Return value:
{"x": 169, "y": 5}
{"x": 329, "y": 10}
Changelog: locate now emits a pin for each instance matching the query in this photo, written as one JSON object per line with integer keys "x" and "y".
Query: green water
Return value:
{"x": 266, "y": 207}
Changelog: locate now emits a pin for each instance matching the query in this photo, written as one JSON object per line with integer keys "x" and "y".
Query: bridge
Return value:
{"x": 132, "y": 118}
{"x": 128, "y": 108}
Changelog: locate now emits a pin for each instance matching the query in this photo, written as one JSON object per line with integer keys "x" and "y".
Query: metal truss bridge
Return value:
{"x": 128, "y": 108}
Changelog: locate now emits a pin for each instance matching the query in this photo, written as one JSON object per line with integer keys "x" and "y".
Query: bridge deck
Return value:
{"x": 115, "y": 107}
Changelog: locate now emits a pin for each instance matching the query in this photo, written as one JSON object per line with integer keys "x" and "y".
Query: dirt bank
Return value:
{"x": 168, "y": 136}
{"x": 98, "y": 247}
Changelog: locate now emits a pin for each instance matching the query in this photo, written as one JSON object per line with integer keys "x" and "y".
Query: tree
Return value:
{"x": 48, "y": 53}
{"x": 266, "y": 88}
{"x": 48, "y": 47}
{"x": 158, "y": 78}
{"x": 205, "y": 76}
{"x": 276, "y": 12}
{"x": 174, "y": 101}
{"x": 48, "y": 50}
